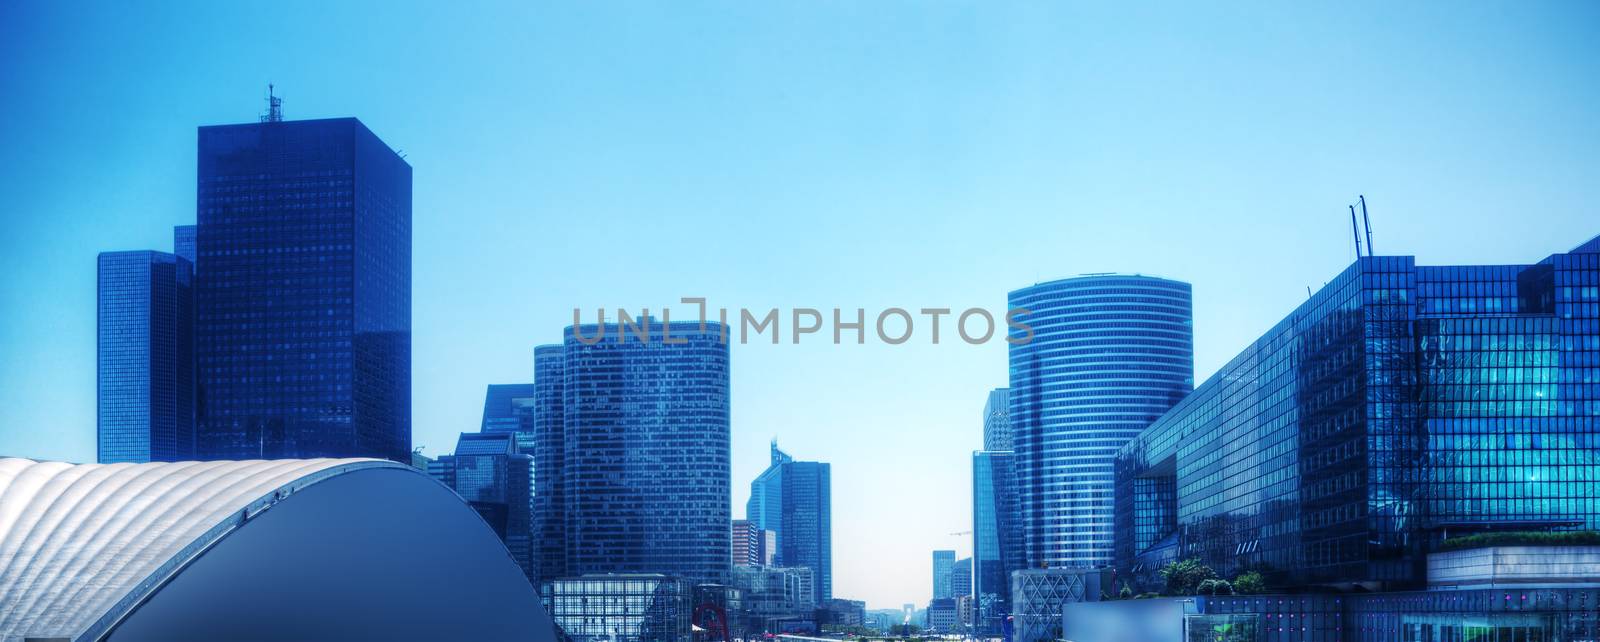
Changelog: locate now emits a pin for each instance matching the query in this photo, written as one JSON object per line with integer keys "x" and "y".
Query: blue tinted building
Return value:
{"x": 1400, "y": 405}
{"x": 793, "y": 499}
{"x": 943, "y": 563}
{"x": 645, "y": 467}
{"x": 145, "y": 359}
{"x": 549, "y": 433}
{"x": 996, "y": 538}
{"x": 509, "y": 408}
{"x": 496, "y": 478}
{"x": 1109, "y": 354}
{"x": 183, "y": 242}
{"x": 303, "y": 247}
{"x": 997, "y": 420}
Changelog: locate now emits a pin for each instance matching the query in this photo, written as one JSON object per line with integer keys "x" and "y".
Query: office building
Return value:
{"x": 943, "y": 563}
{"x": 549, "y": 434}
{"x": 775, "y": 597}
{"x": 183, "y": 242}
{"x": 1107, "y": 355}
{"x": 996, "y": 538}
{"x": 508, "y": 407}
{"x": 794, "y": 500}
{"x": 620, "y": 607}
{"x": 942, "y": 615}
{"x": 303, "y": 324}
{"x": 1400, "y": 405}
{"x": 997, "y": 420}
{"x": 750, "y": 544}
{"x": 961, "y": 577}
{"x": 844, "y": 613}
{"x": 496, "y": 479}
{"x": 145, "y": 360}
{"x": 645, "y": 464}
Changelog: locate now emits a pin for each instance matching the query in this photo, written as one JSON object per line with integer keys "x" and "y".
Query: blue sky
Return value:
{"x": 819, "y": 154}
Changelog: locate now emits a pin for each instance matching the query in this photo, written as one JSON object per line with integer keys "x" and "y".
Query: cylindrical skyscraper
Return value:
{"x": 1109, "y": 354}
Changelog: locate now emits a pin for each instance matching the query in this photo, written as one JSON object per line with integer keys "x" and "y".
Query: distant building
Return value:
{"x": 509, "y": 407}
{"x": 996, "y": 538}
{"x": 942, "y": 615}
{"x": 793, "y": 499}
{"x": 749, "y": 544}
{"x": 943, "y": 564}
{"x": 644, "y": 472}
{"x": 303, "y": 323}
{"x": 961, "y": 577}
{"x": 843, "y": 613}
{"x": 997, "y": 420}
{"x": 774, "y": 595}
{"x": 145, "y": 389}
{"x": 183, "y": 242}
{"x": 1108, "y": 355}
{"x": 619, "y": 607}
{"x": 492, "y": 475}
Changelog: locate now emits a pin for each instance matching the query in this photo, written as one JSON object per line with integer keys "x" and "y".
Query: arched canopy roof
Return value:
{"x": 83, "y": 544}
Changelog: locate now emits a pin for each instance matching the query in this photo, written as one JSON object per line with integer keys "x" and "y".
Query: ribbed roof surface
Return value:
{"x": 81, "y": 544}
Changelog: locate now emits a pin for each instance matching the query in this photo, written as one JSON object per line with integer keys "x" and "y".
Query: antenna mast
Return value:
{"x": 1355, "y": 230}
{"x": 1366, "y": 223}
{"x": 274, "y": 107}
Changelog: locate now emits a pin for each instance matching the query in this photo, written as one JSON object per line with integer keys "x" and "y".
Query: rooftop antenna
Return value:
{"x": 1366, "y": 223}
{"x": 1355, "y": 230}
{"x": 274, "y": 107}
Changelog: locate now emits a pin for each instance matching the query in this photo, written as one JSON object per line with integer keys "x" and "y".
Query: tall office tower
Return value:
{"x": 996, "y": 538}
{"x": 746, "y": 542}
{"x": 794, "y": 499}
{"x": 145, "y": 362}
{"x": 997, "y": 420}
{"x": 1108, "y": 355}
{"x": 303, "y": 332}
{"x": 1399, "y": 405}
{"x": 549, "y": 496}
{"x": 961, "y": 578}
{"x": 183, "y": 242}
{"x": 646, "y": 462}
{"x": 491, "y": 475}
{"x": 943, "y": 563}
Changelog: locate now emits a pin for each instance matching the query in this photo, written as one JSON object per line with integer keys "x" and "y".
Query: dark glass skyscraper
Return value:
{"x": 303, "y": 330}
{"x": 492, "y": 475}
{"x": 794, "y": 499}
{"x": 996, "y": 538}
{"x": 997, "y": 420}
{"x": 645, "y": 469}
{"x": 145, "y": 362}
{"x": 1109, "y": 354}
{"x": 943, "y": 563}
{"x": 1400, "y": 405}
{"x": 183, "y": 242}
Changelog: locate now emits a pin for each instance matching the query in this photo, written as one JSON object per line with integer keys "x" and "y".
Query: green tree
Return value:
{"x": 1184, "y": 577}
{"x": 1249, "y": 583}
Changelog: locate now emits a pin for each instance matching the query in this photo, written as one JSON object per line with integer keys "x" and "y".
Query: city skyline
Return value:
{"x": 1250, "y": 222}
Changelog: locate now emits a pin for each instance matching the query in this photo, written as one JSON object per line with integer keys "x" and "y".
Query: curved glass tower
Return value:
{"x": 1109, "y": 354}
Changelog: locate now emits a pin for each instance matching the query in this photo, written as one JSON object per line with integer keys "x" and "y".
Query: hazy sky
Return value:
{"x": 820, "y": 154}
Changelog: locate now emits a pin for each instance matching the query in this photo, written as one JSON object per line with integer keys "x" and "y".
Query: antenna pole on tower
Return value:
{"x": 1355, "y": 230}
{"x": 274, "y": 107}
{"x": 1366, "y": 223}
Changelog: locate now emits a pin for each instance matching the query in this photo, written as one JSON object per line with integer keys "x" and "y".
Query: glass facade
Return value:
{"x": 303, "y": 328}
{"x": 549, "y": 496}
{"x": 619, "y": 608}
{"x": 145, "y": 358}
{"x": 645, "y": 469}
{"x": 1400, "y": 405}
{"x": 1108, "y": 355}
{"x": 997, "y": 420}
{"x": 943, "y": 563}
{"x": 996, "y": 539}
{"x": 183, "y": 242}
{"x": 793, "y": 499}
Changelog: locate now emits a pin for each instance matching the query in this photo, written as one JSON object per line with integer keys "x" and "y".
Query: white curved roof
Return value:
{"x": 82, "y": 544}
